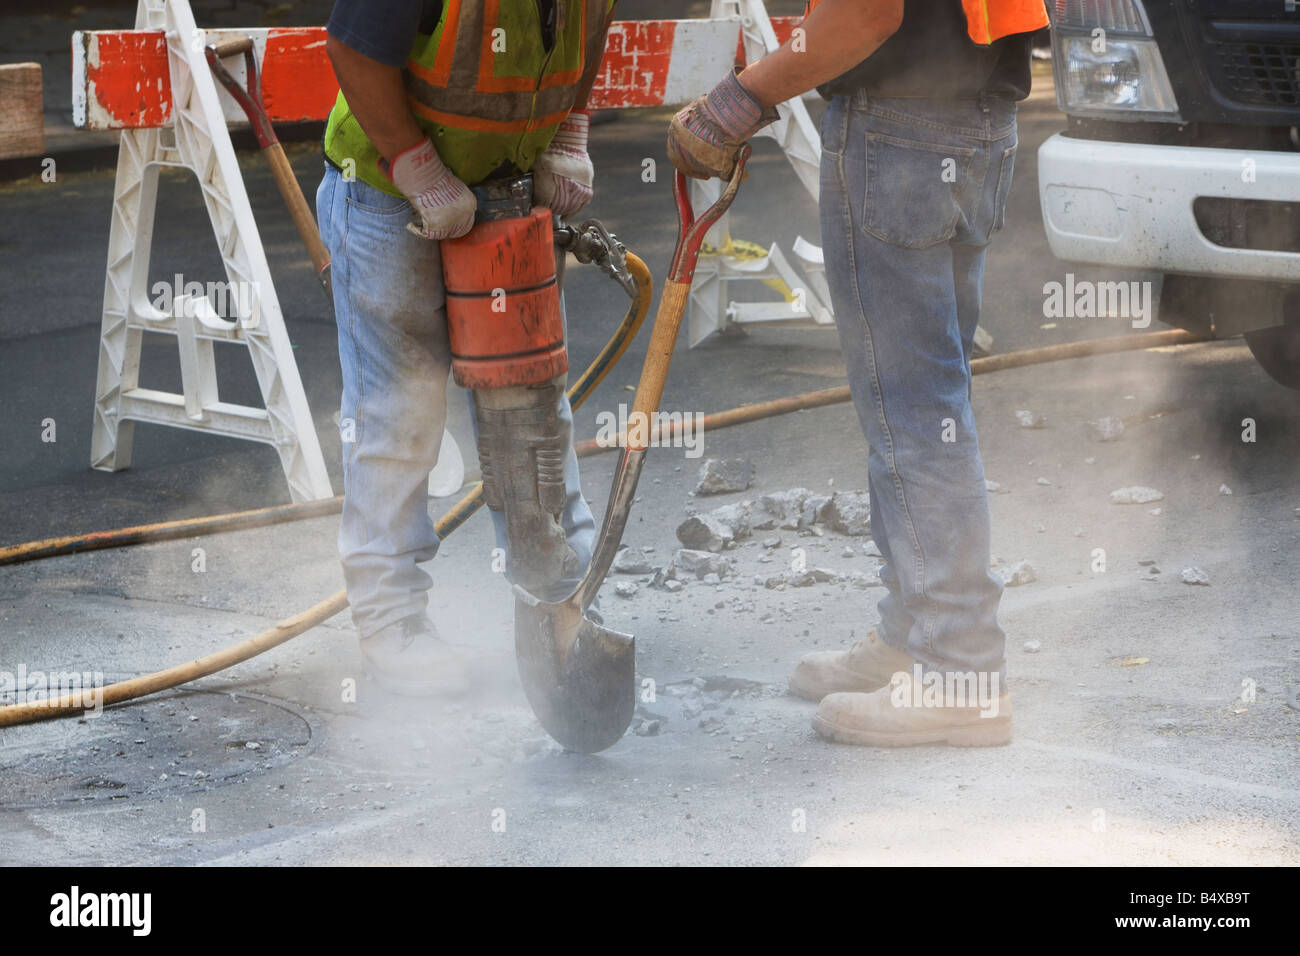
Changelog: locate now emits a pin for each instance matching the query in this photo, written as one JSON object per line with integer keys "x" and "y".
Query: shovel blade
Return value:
{"x": 579, "y": 677}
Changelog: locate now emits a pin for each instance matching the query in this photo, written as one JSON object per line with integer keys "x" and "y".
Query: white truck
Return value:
{"x": 1181, "y": 160}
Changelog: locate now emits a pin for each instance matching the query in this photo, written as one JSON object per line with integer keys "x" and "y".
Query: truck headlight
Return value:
{"x": 1107, "y": 63}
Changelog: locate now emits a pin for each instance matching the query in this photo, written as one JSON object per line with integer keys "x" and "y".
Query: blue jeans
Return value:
{"x": 390, "y": 307}
{"x": 912, "y": 191}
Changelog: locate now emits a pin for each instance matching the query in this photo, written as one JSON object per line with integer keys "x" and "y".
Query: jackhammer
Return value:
{"x": 506, "y": 330}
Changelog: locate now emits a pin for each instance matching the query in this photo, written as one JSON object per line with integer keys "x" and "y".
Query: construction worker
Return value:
{"x": 918, "y": 145}
{"x": 434, "y": 100}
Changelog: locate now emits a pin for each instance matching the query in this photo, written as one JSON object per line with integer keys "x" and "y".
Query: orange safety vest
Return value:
{"x": 484, "y": 87}
{"x": 989, "y": 20}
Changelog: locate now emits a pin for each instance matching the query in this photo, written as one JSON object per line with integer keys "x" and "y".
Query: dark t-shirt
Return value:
{"x": 931, "y": 55}
{"x": 384, "y": 30}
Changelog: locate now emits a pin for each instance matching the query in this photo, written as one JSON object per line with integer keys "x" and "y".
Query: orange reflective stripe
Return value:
{"x": 481, "y": 125}
{"x": 989, "y": 20}
{"x": 440, "y": 75}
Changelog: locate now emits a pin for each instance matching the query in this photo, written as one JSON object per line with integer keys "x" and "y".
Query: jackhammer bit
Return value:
{"x": 506, "y": 331}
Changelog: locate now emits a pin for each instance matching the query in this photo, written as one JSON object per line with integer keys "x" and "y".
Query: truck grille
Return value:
{"x": 1260, "y": 74}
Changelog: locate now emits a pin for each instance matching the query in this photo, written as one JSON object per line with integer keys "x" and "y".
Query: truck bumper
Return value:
{"x": 1130, "y": 205}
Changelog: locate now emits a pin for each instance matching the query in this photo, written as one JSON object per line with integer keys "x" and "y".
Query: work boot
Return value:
{"x": 865, "y": 666}
{"x": 890, "y": 717}
{"x": 409, "y": 657}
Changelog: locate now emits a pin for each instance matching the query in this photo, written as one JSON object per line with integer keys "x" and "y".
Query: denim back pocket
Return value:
{"x": 912, "y": 190}
{"x": 1004, "y": 188}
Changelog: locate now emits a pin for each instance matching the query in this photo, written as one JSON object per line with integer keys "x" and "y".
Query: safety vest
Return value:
{"x": 989, "y": 20}
{"x": 484, "y": 86}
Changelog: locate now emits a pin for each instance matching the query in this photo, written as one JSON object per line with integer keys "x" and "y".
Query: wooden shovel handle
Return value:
{"x": 659, "y": 355}
{"x": 299, "y": 211}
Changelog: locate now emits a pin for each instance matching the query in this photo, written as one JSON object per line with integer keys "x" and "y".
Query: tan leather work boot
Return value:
{"x": 866, "y": 665}
{"x": 891, "y": 717}
{"x": 409, "y": 657}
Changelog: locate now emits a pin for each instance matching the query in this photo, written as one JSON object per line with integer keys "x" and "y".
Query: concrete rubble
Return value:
{"x": 1029, "y": 419}
{"x": 1022, "y": 572}
{"x": 1135, "y": 495}
{"x": 719, "y": 476}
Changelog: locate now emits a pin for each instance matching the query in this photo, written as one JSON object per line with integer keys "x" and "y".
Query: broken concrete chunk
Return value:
{"x": 716, "y": 529}
{"x": 632, "y": 561}
{"x": 994, "y": 488}
{"x": 815, "y": 509}
{"x": 700, "y": 563}
{"x": 1195, "y": 575}
{"x": 780, "y": 509}
{"x": 871, "y": 549}
{"x": 773, "y": 542}
{"x": 1033, "y": 647}
{"x": 625, "y": 589}
{"x": 673, "y": 586}
{"x": 719, "y": 476}
{"x": 662, "y": 576}
{"x": 1022, "y": 572}
{"x": 1044, "y": 481}
{"x": 1108, "y": 428}
{"x": 849, "y": 512}
{"x": 736, "y": 517}
{"x": 1028, "y": 419}
{"x": 1135, "y": 495}
{"x": 711, "y": 578}
{"x": 863, "y": 579}
{"x": 1224, "y": 490}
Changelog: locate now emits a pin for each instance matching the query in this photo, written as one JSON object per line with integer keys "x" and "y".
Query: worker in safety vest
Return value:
{"x": 918, "y": 145}
{"x": 435, "y": 98}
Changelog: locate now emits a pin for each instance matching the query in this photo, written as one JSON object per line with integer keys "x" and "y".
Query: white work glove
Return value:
{"x": 563, "y": 175}
{"x": 446, "y": 206}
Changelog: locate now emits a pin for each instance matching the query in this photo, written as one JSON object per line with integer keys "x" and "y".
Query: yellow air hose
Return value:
{"x": 291, "y": 627}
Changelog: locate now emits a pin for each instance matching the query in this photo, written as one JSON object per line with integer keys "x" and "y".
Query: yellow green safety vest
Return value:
{"x": 484, "y": 86}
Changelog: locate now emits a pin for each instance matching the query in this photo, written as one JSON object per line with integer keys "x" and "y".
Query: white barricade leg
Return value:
{"x": 711, "y": 308}
{"x": 199, "y": 141}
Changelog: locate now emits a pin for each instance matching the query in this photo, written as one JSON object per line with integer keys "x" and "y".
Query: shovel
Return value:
{"x": 250, "y": 100}
{"x": 580, "y": 677}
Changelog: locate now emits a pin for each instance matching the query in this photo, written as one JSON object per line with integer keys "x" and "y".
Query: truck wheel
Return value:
{"x": 1278, "y": 351}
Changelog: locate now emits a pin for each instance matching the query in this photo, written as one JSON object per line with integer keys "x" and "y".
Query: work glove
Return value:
{"x": 446, "y": 206}
{"x": 705, "y": 137}
{"x": 563, "y": 175}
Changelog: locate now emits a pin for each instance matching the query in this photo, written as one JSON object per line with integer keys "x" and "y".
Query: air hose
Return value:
{"x": 290, "y": 627}
{"x": 609, "y": 356}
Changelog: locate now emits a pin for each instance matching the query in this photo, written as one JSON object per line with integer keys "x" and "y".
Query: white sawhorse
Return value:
{"x": 197, "y": 140}
{"x": 711, "y": 307}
